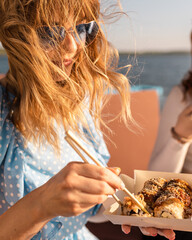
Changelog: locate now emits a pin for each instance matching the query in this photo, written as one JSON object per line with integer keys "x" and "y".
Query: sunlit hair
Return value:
{"x": 40, "y": 101}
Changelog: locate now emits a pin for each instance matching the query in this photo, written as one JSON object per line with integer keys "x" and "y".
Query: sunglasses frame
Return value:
{"x": 54, "y": 35}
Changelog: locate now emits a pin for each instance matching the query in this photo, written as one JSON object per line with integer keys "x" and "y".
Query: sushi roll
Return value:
{"x": 174, "y": 200}
{"x": 129, "y": 208}
{"x": 152, "y": 189}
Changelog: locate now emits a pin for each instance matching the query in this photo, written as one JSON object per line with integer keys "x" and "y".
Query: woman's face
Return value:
{"x": 69, "y": 51}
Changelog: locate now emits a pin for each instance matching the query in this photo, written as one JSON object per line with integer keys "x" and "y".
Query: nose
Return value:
{"x": 70, "y": 44}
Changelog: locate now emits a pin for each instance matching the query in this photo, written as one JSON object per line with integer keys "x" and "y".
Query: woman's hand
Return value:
{"x": 183, "y": 125}
{"x": 169, "y": 234}
{"x": 77, "y": 188}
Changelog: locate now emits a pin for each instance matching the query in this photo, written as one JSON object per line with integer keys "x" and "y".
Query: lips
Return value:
{"x": 67, "y": 62}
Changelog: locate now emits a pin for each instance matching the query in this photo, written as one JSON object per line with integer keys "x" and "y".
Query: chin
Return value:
{"x": 68, "y": 70}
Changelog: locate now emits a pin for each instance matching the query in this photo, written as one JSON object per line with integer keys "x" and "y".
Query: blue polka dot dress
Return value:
{"x": 24, "y": 169}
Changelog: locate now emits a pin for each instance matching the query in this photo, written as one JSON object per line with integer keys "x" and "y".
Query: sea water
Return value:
{"x": 162, "y": 70}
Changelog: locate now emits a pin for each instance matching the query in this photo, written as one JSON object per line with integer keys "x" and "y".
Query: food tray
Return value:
{"x": 113, "y": 210}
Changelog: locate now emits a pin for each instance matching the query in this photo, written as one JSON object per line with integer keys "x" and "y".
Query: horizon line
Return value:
{"x": 3, "y": 52}
{"x": 156, "y": 52}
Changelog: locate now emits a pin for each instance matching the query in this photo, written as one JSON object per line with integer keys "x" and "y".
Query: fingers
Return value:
{"x": 85, "y": 199}
{"x": 96, "y": 172}
{"x": 126, "y": 229}
{"x": 149, "y": 231}
{"x": 88, "y": 185}
{"x": 75, "y": 203}
{"x": 169, "y": 234}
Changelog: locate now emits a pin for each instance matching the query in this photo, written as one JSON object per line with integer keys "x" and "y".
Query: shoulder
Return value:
{"x": 174, "y": 104}
{"x": 176, "y": 92}
{"x": 176, "y": 97}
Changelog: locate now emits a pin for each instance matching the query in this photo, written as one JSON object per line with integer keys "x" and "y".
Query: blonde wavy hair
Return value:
{"x": 40, "y": 101}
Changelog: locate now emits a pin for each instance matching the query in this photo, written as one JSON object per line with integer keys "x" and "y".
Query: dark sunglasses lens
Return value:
{"x": 91, "y": 31}
{"x": 81, "y": 31}
{"x": 52, "y": 35}
{"x": 86, "y": 32}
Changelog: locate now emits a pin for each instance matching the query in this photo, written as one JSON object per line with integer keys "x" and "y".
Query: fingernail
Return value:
{"x": 117, "y": 170}
{"x": 122, "y": 185}
{"x": 172, "y": 238}
{"x": 145, "y": 232}
{"x": 125, "y": 229}
{"x": 126, "y": 232}
{"x": 154, "y": 233}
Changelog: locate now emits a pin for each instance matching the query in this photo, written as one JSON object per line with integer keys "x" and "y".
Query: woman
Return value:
{"x": 172, "y": 151}
{"x": 173, "y": 148}
{"x": 60, "y": 66}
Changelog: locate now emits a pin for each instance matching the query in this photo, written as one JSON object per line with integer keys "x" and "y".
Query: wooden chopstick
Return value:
{"x": 70, "y": 135}
{"x": 68, "y": 139}
{"x": 71, "y": 139}
{"x": 135, "y": 200}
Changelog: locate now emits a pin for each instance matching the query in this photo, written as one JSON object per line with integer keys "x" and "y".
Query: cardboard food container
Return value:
{"x": 113, "y": 211}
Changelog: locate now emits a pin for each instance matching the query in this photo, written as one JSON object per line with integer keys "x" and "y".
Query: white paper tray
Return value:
{"x": 113, "y": 211}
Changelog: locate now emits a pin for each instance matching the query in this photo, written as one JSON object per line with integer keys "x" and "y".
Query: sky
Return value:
{"x": 152, "y": 25}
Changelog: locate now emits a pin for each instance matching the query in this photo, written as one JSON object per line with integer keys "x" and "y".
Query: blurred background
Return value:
{"x": 154, "y": 38}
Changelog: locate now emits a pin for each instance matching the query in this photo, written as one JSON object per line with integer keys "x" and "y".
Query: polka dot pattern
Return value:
{"x": 22, "y": 169}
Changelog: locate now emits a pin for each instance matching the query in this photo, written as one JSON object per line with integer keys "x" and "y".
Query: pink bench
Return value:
{"x": 132, "y": 151}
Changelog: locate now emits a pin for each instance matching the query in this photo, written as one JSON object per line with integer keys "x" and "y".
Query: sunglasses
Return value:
{"x": 52, "y": 36}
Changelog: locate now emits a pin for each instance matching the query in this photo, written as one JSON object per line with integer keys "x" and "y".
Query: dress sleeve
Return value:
{"x": 168, "y": 154}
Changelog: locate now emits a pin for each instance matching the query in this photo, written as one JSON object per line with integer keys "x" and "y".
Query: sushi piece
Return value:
{"x": 129, "y": 207}
{"x": 169, "y": 206}
{"x": 174, "y": 200}
{"x": 162, "y": 198}
{"x": 152, "y": 189}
